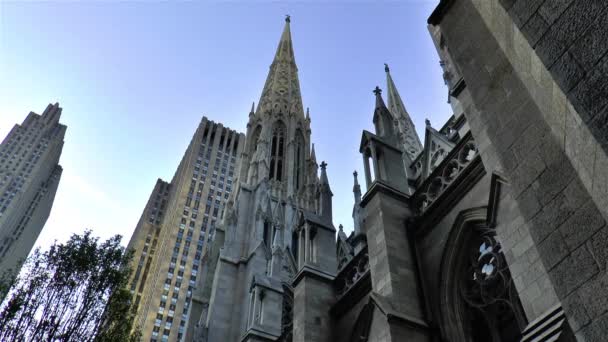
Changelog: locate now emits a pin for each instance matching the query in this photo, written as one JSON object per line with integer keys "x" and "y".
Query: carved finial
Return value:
{"x": 287, "y": 18}
{"x": 356, "y": 186}
{"x": 386, "y": 69}
{"x": 307, "y": 113}
{"x": 323, "y": 165}
{"x": 340, "y": 227}
{"x": 377, "y": 91}
{"x": 427, "y": 122}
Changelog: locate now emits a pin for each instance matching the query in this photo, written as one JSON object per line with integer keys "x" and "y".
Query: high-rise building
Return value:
{"x": 175, "y": 227}
{"x": 29, "y": 177}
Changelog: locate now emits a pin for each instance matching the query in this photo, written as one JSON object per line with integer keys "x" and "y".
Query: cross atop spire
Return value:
{"x": 377, "y": 91}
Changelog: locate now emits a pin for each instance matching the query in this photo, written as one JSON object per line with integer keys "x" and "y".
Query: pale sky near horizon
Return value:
{"x": 134, "y": 79}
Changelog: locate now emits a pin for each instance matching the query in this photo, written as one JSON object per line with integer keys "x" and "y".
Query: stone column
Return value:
{"x": 313, "y": 287}
{"x": 368, "y": 176}
{"x": 392, "y": 267}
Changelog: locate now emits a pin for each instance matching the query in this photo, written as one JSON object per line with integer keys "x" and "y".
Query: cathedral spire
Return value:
{"x": 356, "y": 207}
{"x": 326, "y": 195}
{"x": 383, "y": 119}
{"x": 281, "y": 92}
{"x": 405, "y": 126}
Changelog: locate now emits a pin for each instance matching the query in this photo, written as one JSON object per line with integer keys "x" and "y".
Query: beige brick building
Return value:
{"x": 175, "y": 227}
{"x": 29, "y": 177}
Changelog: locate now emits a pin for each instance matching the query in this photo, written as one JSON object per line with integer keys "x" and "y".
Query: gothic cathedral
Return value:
{"x": 490, "y": 229}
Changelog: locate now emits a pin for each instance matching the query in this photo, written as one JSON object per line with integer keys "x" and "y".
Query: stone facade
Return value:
{"x": 175, "y": 228}
{"x": 29, "y": 177}
{"x": 535, "y": 99}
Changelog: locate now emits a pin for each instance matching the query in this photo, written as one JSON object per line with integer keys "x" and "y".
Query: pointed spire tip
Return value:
{"x": 287, "y": 18}
{"x": 386, "y": 69}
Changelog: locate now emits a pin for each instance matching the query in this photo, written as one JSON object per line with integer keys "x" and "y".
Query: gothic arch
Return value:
{"x": 362, "y": 327}
{"x": 481, "y": 295}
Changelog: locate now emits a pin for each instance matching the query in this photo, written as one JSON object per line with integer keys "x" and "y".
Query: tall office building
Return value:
{"x": 175, "y": 227}
{"x": 29, "y": 176}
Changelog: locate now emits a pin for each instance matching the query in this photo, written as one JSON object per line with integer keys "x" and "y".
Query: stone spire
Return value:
{"x": 405, "y": 126}
{"x": 357, "y": 206}
{"x": 326, "y": 195}
{"x": 281, "y": 92}
{"x": 356, "y": 189}
{"x": 383, "y": 119}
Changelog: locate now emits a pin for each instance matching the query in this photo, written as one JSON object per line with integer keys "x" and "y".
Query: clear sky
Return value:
{"x": 135, "y": 78}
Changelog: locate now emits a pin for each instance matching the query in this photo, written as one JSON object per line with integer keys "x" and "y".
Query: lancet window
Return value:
{"x": 277, "y": 151}
{"x": 299, "y": 160}
{"x": 254, "y": 141}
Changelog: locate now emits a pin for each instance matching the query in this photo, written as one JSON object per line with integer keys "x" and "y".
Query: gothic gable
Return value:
{"x": 436, "y": 147}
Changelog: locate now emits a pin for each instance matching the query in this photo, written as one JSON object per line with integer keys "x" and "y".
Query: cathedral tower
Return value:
{"x": 246, "y": 292}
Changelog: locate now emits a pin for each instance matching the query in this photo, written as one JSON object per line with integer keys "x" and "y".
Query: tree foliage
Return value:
{"x": 75, "y": 291}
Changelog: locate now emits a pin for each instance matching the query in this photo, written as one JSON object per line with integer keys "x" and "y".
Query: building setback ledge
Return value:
{"x": 380, "y": 186}
{"x": 393, "y": 315}
{"x": 439, "y": 12}
{"x": 254, "y": 334}
{"x": 308, "y": 271}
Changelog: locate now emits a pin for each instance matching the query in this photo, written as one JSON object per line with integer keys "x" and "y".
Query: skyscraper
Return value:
{"x": 277, "y": 225}
{"x": 29, "y": 176}
{"x": 175, "y": 226}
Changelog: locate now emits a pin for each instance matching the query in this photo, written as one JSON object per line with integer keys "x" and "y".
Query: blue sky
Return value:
{"x": 135, "y": 78}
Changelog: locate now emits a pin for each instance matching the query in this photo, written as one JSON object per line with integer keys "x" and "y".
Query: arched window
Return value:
{"x": 299, "y": 160}
{"x": 487, "y": 289}
{"x": 277, "y": 151}
{"x": 294, "y": 246}
{"x": 478, "y": 297}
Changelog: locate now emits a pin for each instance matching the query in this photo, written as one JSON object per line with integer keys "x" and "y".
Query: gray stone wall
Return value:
{"x": 312, "y": 300}
{"x": 528, "y": 127}
{"x": 344, "y": 325}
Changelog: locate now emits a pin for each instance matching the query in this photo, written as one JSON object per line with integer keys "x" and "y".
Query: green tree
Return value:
{"x": 75, "y": 291}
